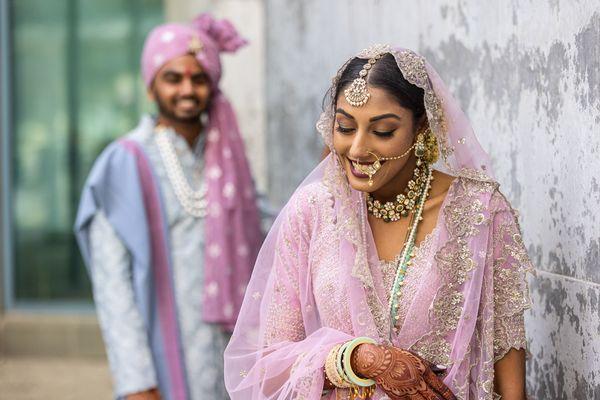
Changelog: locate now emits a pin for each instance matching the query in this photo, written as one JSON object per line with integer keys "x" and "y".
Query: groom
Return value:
{"x": 168, "y": 223}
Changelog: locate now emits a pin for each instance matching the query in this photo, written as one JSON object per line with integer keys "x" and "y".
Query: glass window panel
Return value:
{"x": 76, "y": 87}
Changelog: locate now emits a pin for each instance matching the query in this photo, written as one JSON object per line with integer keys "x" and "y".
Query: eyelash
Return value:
{"x": 341, "y": 129}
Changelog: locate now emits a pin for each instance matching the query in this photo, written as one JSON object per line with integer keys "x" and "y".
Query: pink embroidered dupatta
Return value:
{"x": 463, "y": 315}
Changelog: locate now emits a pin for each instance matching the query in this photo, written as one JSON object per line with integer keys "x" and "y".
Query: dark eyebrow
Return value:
{"x": 384, "y": 116}
{"x": 377, "y": 118}
{"x": 339, "y": 110}
{"x": 171, "y": 72}
{"x": 179, "y": 74}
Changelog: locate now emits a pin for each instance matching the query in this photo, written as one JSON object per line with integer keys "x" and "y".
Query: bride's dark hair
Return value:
{"x": 385, "y": 75}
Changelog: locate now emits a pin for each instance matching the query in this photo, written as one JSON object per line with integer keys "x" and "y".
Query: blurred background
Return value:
{"x": 526, "y": 73}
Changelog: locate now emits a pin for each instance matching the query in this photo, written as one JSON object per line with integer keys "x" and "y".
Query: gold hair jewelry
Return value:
{"x": 431, "y": 147}
{"x": 426, "y": 147}
{"x": 357, "y": 94}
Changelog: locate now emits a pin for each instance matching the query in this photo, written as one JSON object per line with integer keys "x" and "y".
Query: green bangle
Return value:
{"x": 339, "y": 365}
{"x": 348, "y": 349}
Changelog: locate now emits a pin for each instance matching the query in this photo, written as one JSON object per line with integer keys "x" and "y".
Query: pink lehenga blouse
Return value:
{"x": 318, "y": 280}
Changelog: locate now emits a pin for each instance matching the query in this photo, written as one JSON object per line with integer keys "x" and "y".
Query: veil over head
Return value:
{"x": 290, "y": 319}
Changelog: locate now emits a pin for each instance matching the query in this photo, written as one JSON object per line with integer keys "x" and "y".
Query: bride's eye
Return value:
{"x": 343, "y": 129}
{"x": 384, "y": 134}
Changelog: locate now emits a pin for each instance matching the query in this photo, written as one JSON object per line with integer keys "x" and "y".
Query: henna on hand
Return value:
{"x": 401, "y": 374}
{"x": 370, "y": 360}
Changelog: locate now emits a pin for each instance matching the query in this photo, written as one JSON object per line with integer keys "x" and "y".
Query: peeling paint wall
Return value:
{"x": 528, "y": 76}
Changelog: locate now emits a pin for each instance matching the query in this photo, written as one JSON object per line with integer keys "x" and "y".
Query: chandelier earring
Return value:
{"x": 426, "y": 147}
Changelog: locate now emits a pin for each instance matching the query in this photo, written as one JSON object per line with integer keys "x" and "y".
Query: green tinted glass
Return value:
{"x": 76, "y": 87}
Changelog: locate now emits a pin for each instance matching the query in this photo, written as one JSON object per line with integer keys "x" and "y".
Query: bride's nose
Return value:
{"x": 359, "y": 150}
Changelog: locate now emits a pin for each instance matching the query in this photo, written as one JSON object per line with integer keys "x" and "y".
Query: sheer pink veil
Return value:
{"x": 279, "y": 345}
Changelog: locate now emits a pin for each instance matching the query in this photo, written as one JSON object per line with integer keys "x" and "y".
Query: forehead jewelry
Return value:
{"x": 357, "y": 94}
{"x": 371, "y": 169}
{"x": 195, "y": 45}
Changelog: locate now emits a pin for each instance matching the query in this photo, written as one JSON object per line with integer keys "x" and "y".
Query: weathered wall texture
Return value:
{"x": 528, "y": 75}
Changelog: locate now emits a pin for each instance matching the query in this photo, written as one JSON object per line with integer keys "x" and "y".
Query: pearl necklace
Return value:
{"x": 405, "y": 258}
{"x": 194, "y": 202}
{"x": 392, "y": 211}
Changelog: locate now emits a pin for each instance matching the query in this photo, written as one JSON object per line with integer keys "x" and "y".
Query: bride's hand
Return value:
{"x": 399, "y": 373}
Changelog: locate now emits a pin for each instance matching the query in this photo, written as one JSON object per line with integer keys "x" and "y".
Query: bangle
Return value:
{"x": 348, "y": 349}
{"x": 331, "y": 371}
{"x": 339, "y": 364}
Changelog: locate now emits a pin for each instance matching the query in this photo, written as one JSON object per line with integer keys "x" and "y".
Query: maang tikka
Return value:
{"x": 357, "y": 94}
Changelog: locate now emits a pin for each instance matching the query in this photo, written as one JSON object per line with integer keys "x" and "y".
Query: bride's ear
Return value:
{"x": 421, "y": 124}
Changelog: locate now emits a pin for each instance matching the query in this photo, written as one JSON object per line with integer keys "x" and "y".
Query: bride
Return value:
{"x": 397, "y": 269}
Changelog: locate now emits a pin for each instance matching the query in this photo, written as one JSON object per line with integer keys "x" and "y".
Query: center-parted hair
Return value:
{"x": 385, "y": 75}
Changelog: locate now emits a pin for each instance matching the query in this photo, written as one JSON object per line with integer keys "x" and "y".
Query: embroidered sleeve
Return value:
{"x": 511, "y": 293}
{"x": 123, "y": 330}
{"x": 284, "y": 316}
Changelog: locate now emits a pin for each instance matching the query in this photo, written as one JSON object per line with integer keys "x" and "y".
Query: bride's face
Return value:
{"x": 381, "y": 126}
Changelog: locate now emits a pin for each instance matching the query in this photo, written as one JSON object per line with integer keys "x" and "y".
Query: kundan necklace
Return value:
{"x": 194, "y": 202}
{"x": 392, "y": 211}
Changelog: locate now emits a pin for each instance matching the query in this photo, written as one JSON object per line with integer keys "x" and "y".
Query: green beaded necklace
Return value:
{"x": 406, "y": 256}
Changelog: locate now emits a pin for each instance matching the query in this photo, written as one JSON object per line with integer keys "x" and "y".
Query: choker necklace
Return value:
{"x": 392, "y": 211}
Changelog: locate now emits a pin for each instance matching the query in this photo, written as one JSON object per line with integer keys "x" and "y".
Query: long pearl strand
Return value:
{"x": 194, "y": 202}
{"x": 407, "y": 254}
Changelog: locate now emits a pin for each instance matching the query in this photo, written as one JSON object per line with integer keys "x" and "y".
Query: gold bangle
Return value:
{"x": 331, "y": 370}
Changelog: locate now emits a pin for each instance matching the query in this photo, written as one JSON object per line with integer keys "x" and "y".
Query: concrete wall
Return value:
{"x": 528, "y": 75}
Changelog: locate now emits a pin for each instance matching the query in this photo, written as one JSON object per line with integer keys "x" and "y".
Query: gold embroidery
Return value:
{"x": 511, "y": 292}
{"x": 454, "y": 261}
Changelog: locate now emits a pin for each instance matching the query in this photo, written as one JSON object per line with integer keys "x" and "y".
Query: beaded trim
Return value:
{"x": 407, "y": 254}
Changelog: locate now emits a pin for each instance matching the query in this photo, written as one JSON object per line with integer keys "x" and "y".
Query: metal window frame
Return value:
{"x": 8, "y": 302}
{"x": 6, "y": 248}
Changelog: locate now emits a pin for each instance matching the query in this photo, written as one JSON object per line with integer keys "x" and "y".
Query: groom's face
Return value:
{"x": 181, "y": 89}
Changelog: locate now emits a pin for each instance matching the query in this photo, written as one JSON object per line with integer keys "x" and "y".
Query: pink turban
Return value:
{"x": 205, "y": 37}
